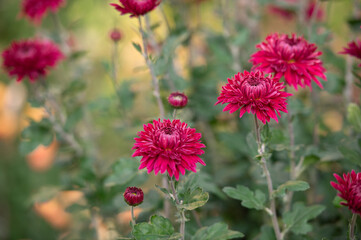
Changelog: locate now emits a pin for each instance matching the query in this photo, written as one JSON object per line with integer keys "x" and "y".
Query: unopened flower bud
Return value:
{"x": 178, "y": 100}
{"x": 115, "y": 35}
{"x": 133, "y": 196}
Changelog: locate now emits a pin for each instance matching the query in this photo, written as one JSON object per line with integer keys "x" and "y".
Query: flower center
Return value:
{"x": 291, "y": 61}
{"x": 253, "y": 81}
{"x": 292, "y": 41}
{"x": 168, "y": 138}
{"x": 177, "y": 98}
{"x": 26, "y": 51}
{"x": 168, "y": 130}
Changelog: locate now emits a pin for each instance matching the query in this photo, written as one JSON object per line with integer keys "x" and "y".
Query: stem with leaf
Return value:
{"x": 352, "y": 227}
{"x": 179, "y": 209}
{"x": 53, "y": 110}
{"x": 156, "y": 93}
{"x": 149, "y": 63}
{"x": 291, "y": 135}
{"x": 261, "y": 152}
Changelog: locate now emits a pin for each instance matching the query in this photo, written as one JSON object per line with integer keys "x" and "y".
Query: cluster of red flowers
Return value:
{"x": 170, "y": 145}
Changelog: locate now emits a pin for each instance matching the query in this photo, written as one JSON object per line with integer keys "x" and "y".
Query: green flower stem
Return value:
{"x": 261, "y": 152}
{"x": 156, "y": 93}
{"x": 352, "y": 227}
{"x": 157, "y": 49}
{"x": 292, "y": 155}
{"x": 155, "y": 81}
{"x": 180, "y": 211}
{"x": 174, "y": 113}
{"x": 133, "y": 218}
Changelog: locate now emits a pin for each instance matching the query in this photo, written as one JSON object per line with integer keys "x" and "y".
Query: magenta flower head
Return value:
{"x": 30, "y": 58}
{"x": 292, "y": 57}
{"x": 133, "y": 196}
{"x": 310, "y": 11}
{"x": 255, "y": 93}
{"x": 136, "y": 8}
{"x": 349, "y": 189}
{"x": 36, "y": 9}
{"x": 168, "y": 146}
{"x": 353, "y": 49}
{"x": 178, "y": 100}
{"x": 115, "y": 35}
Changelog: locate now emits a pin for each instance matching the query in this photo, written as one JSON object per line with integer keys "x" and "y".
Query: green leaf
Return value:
{"x": 290, "y": 186}
{"x": 137, "y": 47}
{"x": 164, "y": 190}
{"x": 203, "y": 180}
{"x": 242, "y": 37}
{"x": 73, "y": 118}
{"x": 349, "y": 153}
{"x": 216, "y": 231}
{"x": 337, "y": 201}
{"x": 38, "y": 133}
{"x": 155, "y": 26}
{"x": 73, "y": 88}
{"x": 77, "y": 54}
{"x": 267, "y": 233}
{"x": 35, "y": 103}
{"x": 124, "y": 171}
{"x": 76, "y": 208}
{"x": 265, "y": 134}
{"x": 354, "y": 116}
{"x": 126, "y": 95}
{"x": 296, "y": 220}
{"x": 157, "y": 228}
{"x": 45, "y": 194}
{"x": 354, "y": 24}
{"x": 249, "y": 198}
{"x": 193, "y": 199}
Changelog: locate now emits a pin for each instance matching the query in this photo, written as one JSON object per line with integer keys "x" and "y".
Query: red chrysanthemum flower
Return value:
{"x": 36, "y": 9}
{"x": 354, "y": 49}
{"x": 133, "y": 196}
{"x": 30, "y": 58}
{"x": 256, "y": 93}
{"x": 168, "y": 146}
{"x": 292, "y": 57}
{"x": 349, "y": 189}
{"x": 136, "y": 7}
{"x": 178, "y": 100}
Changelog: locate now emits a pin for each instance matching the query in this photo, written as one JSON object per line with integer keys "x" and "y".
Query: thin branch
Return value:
{"x": 155, "y": 81}
{"x": 261, "y": 151}
{"x": 181, "y": 211}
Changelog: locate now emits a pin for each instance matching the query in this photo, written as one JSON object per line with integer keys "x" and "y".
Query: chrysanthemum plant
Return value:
{"x": 174, "y": 159}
